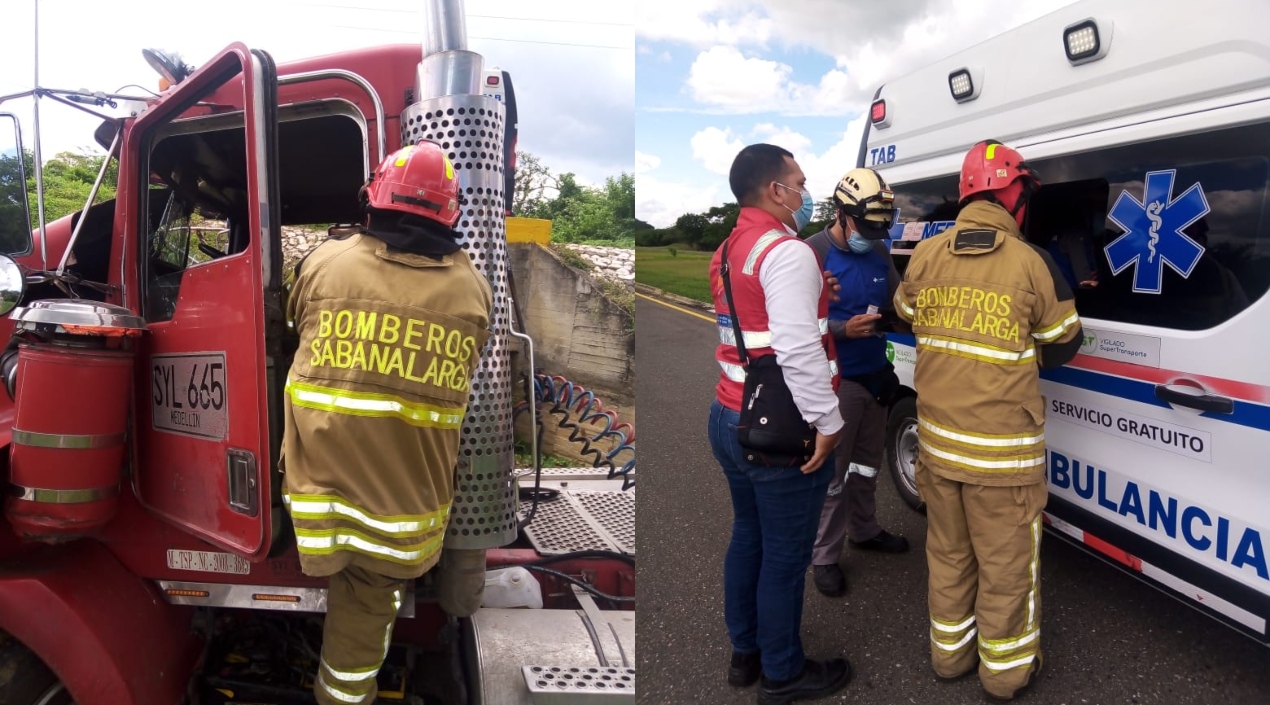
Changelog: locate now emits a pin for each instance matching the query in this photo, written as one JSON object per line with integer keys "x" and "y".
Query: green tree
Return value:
{"x": 68, "y": 179}
{"x": 13, "y": 224}
{"x": 693, "y": 226}
{"x": 722, "y": 222}
{"x": 604, "y": 214}
{"x": 826, "y": 210}
{"x": 533, "y": 180}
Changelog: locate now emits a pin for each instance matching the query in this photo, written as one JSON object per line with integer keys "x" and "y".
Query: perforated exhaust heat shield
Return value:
{"x": 470, "y": 129}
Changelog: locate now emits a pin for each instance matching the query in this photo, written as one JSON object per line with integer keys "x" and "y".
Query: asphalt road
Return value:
{"x": 1107, "y": 638}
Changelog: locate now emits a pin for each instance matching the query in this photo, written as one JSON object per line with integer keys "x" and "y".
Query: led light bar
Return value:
{"x": 963, "y": 85}
{"x": 1085, "y": 41}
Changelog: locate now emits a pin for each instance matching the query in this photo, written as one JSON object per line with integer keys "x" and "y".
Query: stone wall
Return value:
{"x": 614, "y": 263}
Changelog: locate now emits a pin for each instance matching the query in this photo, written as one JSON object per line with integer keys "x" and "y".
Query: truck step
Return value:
{"x": 571, "y": 685}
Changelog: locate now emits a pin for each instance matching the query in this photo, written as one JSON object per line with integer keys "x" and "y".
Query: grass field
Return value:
{"x": 686, "y": 273}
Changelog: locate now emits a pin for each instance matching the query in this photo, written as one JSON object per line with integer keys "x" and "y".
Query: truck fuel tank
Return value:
{"x": 71, "y": 401}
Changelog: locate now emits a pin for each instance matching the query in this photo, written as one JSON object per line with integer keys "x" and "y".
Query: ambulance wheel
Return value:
{"x": 25, "y": 680}
{"x": 901, "y": 451}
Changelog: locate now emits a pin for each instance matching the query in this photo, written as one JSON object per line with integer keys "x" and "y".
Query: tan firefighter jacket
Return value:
{"x": 986, "y": 308}
{"x": 376, "y": 396}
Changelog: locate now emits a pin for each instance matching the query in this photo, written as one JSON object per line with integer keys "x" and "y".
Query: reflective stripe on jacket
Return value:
{"x": 376, "y": 397}
{"x": 751, "y": 241}
{"x": 981, "y": 300}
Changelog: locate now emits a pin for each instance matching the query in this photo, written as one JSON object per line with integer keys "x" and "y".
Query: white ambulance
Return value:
{"x": 1148, "y": 122}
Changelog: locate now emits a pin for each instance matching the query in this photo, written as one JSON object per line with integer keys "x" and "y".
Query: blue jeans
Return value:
{"x": 776, "y": 512}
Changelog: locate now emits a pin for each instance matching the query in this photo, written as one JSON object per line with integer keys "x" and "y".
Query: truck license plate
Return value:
{"x": 208, "y": 562}
{"x": 188, "y": 394}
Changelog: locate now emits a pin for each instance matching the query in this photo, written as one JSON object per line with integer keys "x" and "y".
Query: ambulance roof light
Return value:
{"x": 963, "y": 85}
{"x": 878, "y": 114}
{"x": 491, "y": 80}
{"x": 1085, "y": 41}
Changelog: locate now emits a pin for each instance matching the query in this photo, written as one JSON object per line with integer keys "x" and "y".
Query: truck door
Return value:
{"x": 202, "y": 170}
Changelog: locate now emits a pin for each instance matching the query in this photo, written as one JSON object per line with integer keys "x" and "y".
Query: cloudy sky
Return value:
{"x": 715, "y": 75}
{"x": 572, "y": 61}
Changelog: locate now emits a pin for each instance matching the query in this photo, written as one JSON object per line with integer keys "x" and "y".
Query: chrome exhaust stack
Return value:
{"x": 448, "y": 68}
{"x": 470, "y": 127}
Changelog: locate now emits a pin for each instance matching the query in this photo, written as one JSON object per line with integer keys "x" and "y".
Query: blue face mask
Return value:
{"x": 859, "y": 244}
{"x": 803, "y": 215}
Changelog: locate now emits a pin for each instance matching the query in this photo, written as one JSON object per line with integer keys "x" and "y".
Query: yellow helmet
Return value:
{"x": 863, "y": 195}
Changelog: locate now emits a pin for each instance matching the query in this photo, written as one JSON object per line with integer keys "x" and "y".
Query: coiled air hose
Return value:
{"x": 577, "y": 407}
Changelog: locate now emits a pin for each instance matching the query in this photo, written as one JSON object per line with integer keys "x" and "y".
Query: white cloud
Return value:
{"x": 592, "y": 131}
{"x": 886, "y": 41}
{"x": 646, "y": 162}
{"x": 727, "y": 81}
{"x": 660, "y": 203}
{"x": 824, "y": 170}
{"x": 715, "y": 149}
{"x": 782, "y": 137}
{"x": 723, "y": 77}
{"x": 691, "y": 22}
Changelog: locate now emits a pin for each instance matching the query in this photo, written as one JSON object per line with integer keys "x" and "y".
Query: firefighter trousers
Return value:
{"x": 983, "y": 550}
{"x": 360, "y": 612}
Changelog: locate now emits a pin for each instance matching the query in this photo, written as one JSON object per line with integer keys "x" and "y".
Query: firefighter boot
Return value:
{"x": 1032, "y": 675}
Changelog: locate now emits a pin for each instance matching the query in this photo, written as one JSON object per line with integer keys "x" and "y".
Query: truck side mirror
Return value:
{"x": 12, "y": 284}
{"x": 15, "y": 218}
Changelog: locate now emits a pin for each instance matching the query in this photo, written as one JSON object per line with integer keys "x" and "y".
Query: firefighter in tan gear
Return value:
{"x": 987, "y": 309}
{"x": 391, "y": 321}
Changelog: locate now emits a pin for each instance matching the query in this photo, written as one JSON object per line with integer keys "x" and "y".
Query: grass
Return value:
{"x": 571, "y": 258}
{"x": 525, "y": 459}
{"x": 615, "y": 291}
{"x": 686, "y": 272}
{"x": 624, "y": 242}
{"x": 619, "y": 294}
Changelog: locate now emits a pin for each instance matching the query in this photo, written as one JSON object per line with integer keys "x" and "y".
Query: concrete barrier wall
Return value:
{"x": 578, "y": 332}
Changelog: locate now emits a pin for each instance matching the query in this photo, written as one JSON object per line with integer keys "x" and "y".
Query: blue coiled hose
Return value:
{"x": 576, "y": 407}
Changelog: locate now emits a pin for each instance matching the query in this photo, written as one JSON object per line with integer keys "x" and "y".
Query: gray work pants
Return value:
{"x": 849, "y": 505}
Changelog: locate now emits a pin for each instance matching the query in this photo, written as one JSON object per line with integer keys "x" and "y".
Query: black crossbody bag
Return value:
{"x": 771, "y": 429}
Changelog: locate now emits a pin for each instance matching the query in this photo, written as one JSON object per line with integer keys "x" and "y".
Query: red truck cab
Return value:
{"x": 196, "y": 541}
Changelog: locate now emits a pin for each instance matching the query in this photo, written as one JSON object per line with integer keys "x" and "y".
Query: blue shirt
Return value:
{"x": 864, "y": 281}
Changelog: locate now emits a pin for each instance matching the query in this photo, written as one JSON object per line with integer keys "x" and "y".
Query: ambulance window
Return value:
{"x": 1171, "y": 233}
{"x": 926, "y": 204}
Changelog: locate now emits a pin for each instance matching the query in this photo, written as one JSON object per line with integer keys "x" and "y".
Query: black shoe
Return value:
{"x": 884, "y": 542}
{"x": 830, "y": 580}
{"x": 818, "y": 679}
{"x": 745, "y": 669}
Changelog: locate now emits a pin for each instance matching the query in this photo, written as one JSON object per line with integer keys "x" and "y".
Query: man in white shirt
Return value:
{"x": 781, "y": 307}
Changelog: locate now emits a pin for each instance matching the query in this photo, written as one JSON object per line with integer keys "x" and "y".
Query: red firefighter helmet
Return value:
{"x": 417, "y": 179}
{"x": 992, "y": 166}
